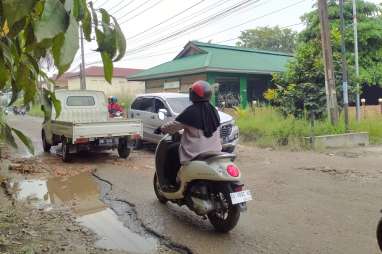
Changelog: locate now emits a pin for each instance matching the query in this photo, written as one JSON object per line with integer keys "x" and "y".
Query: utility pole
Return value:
{"x": 330, "y": 83}
{"x": 82, "y": 66}
{"x": 344, "y": 67}
{"x": 358, "y": 101}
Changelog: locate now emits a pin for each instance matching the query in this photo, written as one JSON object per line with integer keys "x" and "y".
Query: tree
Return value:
{"x": 307, "y": 66}
{"x": 32, "y": 30}
{"x": 269, "y": 38}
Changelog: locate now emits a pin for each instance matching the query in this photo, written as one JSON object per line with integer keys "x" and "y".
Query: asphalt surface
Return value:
{"x": 304, "y": 202}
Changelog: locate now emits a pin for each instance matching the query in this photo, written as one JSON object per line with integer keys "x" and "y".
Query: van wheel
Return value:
{"x": 65, "y": 151}
{"x": 123, "y": 149}
{"x": 45, "y": 144}
{"x": 161, "y": 199}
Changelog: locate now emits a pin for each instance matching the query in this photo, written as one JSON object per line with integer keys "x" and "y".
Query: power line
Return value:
{"x": 115, "y": 6}
{"x": 224, "y": 13}
{"x": 238, "y": 37}
{"x": 139, "y": 6}
{"x": 254, "y": 19}
{"x": 182, "y": 21}
{"x": 164, "y": 21}
{"x": 143, "y": 11}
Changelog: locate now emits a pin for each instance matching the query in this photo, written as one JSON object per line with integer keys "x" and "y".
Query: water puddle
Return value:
{"x": 82, "y": 193}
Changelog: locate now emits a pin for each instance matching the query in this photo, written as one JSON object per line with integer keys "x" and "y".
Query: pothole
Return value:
{"x": 114, "y": 221}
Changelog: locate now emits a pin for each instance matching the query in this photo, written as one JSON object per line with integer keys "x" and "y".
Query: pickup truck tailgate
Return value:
{"x": 114, "y": 128}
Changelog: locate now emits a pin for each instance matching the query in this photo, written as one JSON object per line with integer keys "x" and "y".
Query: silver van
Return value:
{"x": 147, "y": 106}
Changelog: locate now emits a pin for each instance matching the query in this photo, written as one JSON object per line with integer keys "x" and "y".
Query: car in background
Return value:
{"x": 146, "y": 107}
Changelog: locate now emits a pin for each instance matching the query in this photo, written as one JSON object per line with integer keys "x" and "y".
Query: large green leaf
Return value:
{"x": 78, "y": 9}
{"x": 107, "y": 66}
{"x": 49, "y": 99}
{"x": 108, "y": 44}
{"x": 7, "y": 134}
{"x": 65, "y": 46}
{"x": 15, "y": 10}
{"x": 4, "y": 74}
{"x": 24, "y": 139}
{"x": 87, "y": 25}
{"x": 120, "y": 41}
{"x": 54, "y": 20}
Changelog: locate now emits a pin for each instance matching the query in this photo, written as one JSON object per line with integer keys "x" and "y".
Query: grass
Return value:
{"x": 267, "y": 127}
{"x": 36, "y": 111}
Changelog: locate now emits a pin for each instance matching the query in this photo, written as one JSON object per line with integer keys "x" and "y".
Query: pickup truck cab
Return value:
{"x": 84, "y": 124}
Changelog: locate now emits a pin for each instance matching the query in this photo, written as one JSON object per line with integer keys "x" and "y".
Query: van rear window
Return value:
{"x": 78, "y": 101}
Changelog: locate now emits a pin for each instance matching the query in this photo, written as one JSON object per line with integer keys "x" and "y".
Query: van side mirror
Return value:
{"x": 162, "y": 114}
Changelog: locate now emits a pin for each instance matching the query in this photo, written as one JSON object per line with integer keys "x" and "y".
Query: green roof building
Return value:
{"x": 241, "y": 75}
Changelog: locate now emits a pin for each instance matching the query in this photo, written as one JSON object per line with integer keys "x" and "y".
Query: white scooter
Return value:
{"x": 209, "y": 185}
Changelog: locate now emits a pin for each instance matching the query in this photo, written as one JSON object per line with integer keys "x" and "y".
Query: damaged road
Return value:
{"x": 304, "y": 202}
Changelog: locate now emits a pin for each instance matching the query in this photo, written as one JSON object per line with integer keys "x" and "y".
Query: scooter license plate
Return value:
{"x": 241, "y": 197}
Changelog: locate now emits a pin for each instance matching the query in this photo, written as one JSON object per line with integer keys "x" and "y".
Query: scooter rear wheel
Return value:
{"x": 379, "y": 234}
{"x": 225, "y": 219}
{"x": 161, "y": 199}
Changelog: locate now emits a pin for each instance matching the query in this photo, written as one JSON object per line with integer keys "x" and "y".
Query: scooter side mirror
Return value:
{"x": 162, "y": 114}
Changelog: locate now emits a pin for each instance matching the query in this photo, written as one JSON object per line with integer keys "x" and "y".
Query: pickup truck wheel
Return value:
{"x": 65, "y": 151}
{"x": 45, "y": 144}
{"x": 138, "y": 144}
{"x": 123, "y": 149}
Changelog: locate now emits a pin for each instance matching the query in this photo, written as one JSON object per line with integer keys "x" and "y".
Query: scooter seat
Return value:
{"x": 208, "y": 155}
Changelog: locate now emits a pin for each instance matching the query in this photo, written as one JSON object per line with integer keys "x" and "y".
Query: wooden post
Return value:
{"x": 330, "y": 85}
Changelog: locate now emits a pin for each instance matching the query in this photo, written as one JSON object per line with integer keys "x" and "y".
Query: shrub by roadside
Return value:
{"x": 267, "y": 127}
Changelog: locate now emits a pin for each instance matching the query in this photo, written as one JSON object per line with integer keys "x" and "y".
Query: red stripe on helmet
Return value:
{"x": 198, "y": 89}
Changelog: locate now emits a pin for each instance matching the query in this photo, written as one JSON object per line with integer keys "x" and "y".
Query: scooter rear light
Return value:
{"x": 232, "y": 170}
{"x": 238, "y": 188}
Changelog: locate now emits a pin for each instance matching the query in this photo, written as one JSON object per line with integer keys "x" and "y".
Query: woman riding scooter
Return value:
{"x": 194, "y": 172}
{"x": 200, "y": 123}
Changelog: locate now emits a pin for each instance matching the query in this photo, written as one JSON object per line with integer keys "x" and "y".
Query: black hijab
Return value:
{"x": 202, "y": 116}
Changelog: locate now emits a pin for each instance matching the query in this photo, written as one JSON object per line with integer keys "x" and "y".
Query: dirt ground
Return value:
{"x": 304, "y": 202}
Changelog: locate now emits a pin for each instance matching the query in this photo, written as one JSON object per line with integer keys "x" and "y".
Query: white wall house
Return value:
{"x": 119, "y": 87}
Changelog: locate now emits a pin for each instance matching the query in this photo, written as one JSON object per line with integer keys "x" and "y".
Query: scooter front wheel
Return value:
{"x": 227, "y": 217}
{"x": 161, "y": 199}
{"x": 379, "y": 234}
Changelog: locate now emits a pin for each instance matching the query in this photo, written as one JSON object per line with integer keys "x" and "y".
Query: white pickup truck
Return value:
{"x": 84, "y": 124}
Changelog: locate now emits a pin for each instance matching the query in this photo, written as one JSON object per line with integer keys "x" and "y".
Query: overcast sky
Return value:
{"x": 148, "y": 46}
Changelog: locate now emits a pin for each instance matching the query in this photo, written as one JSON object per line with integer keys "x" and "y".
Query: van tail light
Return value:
{"x": 136, "y": 136}
{"x": 232, "y": 170}
{"x": 82, "y": 141}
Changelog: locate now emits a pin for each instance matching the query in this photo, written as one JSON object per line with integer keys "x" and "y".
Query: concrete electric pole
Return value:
{"x": 330, "y": 83}
{"x": 82, "y": 69}
{"x": 344, "y": 67}
{"x": 358, "y": 101}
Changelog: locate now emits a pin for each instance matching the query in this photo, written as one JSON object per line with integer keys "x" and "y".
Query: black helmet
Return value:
{"x": 200, "y": 91}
